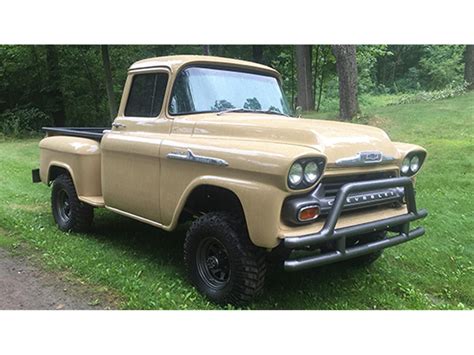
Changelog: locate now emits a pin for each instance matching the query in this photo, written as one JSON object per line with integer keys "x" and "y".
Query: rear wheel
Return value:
{"x": 69, "y": 212}
{"x": 220, "y": 260}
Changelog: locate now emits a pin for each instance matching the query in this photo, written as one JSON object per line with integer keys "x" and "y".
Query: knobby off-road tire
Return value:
{"x": 69, "y": 212}
{"x": 221, "y": 261}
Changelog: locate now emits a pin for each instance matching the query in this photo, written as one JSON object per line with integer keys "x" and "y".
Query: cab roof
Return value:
{"x": 175, "y": 62}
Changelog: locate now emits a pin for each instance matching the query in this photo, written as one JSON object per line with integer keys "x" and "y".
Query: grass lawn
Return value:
{"x": 142, "y": 266}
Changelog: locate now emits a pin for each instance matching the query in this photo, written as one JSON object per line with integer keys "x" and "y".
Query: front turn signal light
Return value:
{"x": 308, "y": 213}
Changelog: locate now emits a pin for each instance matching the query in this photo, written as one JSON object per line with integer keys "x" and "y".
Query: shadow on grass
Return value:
{"x": 158, "y": 247}
{"x": 139, "y": 239}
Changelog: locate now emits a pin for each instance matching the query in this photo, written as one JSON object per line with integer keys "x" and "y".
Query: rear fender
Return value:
{"x": 80, "y": 157}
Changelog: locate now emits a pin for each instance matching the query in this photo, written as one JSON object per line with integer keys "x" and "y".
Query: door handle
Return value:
{"x": 118, "y": 125}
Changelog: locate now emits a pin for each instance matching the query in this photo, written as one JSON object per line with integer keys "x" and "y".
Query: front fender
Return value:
{"x": 256, "y": 172}
{"x": 260, "y": 202}
{"x": 407, "y": 148}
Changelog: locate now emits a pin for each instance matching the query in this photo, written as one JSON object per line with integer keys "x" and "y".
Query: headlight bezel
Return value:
{"x": 304, "y": 183}
{"x": 408, "y": 158}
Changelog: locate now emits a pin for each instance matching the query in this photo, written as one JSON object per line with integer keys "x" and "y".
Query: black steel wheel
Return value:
{"x": 213, "y": 263}
{"x": 69, "y": 212}
{"x": 221, "y": 261}
{"x": 63, "y": 206}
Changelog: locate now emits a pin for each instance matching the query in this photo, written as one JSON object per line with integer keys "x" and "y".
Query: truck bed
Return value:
{"x": 95, "y": 133}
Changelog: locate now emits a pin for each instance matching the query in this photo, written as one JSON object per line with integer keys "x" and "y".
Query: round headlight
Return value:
{"x": 415, "y": 164}
{"x": 311, "y": 172}
{"x": 296, "y": 174}
{"x": 405, "y": 165}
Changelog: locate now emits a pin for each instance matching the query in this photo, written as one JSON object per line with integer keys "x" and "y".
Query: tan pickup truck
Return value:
{"x": 211, "y": 141}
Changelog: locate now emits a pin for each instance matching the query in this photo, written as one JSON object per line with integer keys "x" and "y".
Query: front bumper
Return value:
{"x": 329, "y": 233}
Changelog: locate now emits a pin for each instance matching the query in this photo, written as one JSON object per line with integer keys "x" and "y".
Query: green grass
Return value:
{"x": 143, "y": 265}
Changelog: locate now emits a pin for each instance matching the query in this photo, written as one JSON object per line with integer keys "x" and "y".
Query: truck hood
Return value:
{"x": 334, "y": 139}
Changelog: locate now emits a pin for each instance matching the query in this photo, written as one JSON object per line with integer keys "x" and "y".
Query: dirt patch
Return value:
{"x": 28, "y": 208}
{"x": 25, "y": 286}
{"x": 378, "y": 121}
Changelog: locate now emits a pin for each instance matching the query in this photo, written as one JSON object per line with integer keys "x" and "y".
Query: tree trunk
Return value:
{"x": 316, "y": 72}
{"x": 108, "y": 81}
{"x": 257, "y": 53}
{"x": 321, "y": 82}
{"x": 206, "y": 49}
{"x": 305, "y": 97}
{"x": 469, "y": 66}
{"x": 292, "y": 64}
{"x": 40, "y": 79}
{"x": 346, "y": 66}
{"x": 220, "y": 50}
{"x": 55, "y": 95}
{"x": 95, "y": 91}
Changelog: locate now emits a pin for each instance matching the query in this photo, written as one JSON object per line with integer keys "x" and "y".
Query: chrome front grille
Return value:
{"x": 332, "y": 184}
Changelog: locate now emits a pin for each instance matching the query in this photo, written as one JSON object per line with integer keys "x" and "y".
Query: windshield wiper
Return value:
{"x": 235, "y": 109}
{"x": 270, "y": 111}
{"x": 239, "y": 109}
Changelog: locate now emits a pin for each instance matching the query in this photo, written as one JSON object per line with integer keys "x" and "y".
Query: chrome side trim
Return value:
{"x": 364, "y": 158}
{"x": 190, "y": 156}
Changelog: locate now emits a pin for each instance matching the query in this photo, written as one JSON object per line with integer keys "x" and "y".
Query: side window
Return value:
{"x": 146, "y": 95}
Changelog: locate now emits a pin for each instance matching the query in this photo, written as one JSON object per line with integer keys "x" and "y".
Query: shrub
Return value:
{"x": 421, "y": 96}
{"x": 23, "y": 122}
{"x": 441, "y": 65}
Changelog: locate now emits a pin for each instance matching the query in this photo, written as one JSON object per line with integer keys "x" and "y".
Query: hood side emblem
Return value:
{"x": 365, "y": 158}
{"x": 190, "y": 156}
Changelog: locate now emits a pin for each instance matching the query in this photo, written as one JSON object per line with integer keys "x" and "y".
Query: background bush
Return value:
{"x": 23, "y": 122}
{"x": 451, "y": 90}
{"x": 32, "y": 89}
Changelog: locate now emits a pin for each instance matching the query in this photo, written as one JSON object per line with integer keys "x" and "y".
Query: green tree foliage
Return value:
{"x": 22, "y": 76}
{"x": 410, "y": 68}
{"x": 29, "y": 88}
{"x": 441, "y": 66}
{"x": 324, "y": 67}
{"x": 23, "y": 122}
{"x": 367, "y": 58}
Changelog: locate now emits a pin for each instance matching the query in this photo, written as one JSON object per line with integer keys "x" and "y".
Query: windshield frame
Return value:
{"x": 217, "y": 66}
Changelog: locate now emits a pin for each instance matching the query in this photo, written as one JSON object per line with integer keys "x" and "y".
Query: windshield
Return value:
{"x": 198, "y": 90}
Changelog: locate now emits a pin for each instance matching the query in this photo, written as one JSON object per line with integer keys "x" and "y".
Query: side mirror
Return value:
{"x": 298, "y": 111}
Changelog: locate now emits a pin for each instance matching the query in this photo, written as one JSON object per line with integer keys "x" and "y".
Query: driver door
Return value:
{"x": 130, "y": 151}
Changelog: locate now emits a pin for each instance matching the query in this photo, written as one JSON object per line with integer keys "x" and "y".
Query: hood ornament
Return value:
{"x": 365, "y": 158}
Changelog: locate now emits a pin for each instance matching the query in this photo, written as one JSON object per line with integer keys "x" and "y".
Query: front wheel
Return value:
{"x": 69, "y": 212}
{"x": 221, "y": 261}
